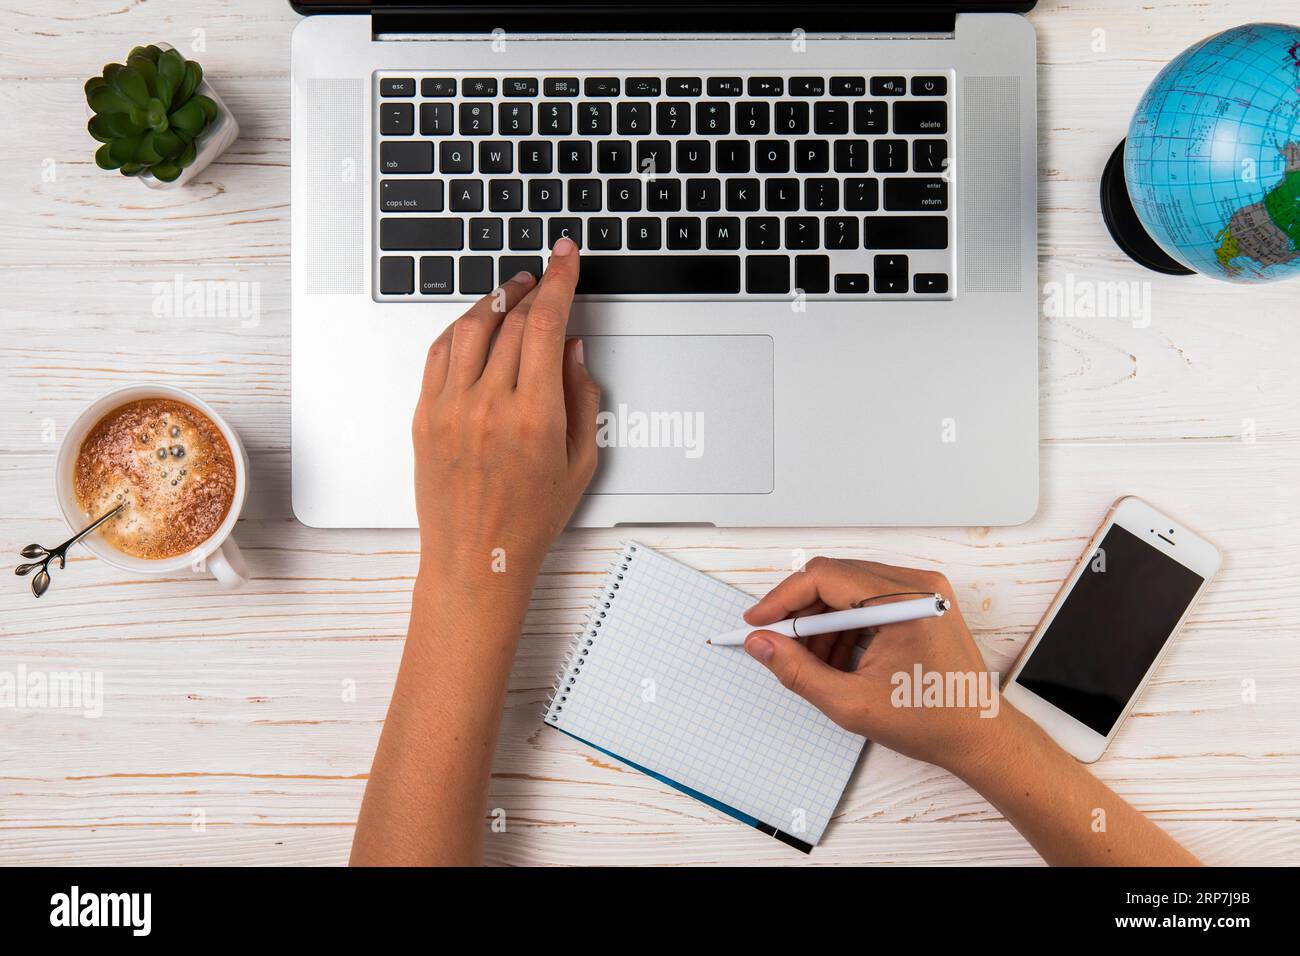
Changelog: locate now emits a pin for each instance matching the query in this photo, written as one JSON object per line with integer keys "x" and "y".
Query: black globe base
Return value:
{"x": 1125, "y": 226}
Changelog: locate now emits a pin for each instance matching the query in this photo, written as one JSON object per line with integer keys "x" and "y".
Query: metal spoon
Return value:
{"x": 43, "y": 556}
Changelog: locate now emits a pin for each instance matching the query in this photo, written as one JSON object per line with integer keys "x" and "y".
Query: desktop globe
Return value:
{"x": 1208, "y": 179}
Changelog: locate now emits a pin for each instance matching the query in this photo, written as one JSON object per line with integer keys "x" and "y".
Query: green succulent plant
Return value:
{"x": 148, "y": 113}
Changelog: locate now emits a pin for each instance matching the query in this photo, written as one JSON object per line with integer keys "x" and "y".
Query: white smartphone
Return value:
{"x": 1110, "y": 625}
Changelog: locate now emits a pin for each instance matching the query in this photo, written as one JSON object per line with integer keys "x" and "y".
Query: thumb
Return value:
{"x": 581, "y": 404}
{"x": 799, "y": 670}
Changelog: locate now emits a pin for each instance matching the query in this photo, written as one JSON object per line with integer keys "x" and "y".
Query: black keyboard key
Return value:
{"x": 397, "y": 86}
{"x": 515, "y": 119}
{"x": 908, "y": 194}
{"x": 841, "y": 232}
{"x": 753, "y": 118}
{"x": 479, "y": 87}
{"x": 807, "y": 86}
{"x": 905, "y": 232}
{"x": 852, "y": 283}
{"x": 594, "y": 119}
{"x": 766, "y": 86}
{"x": 575, "y": 156}
{"x": 410, "y": 195}
{"x": 812, "y": 274}
{"x": 830, "y": 118}
{"x": 891, "y": 284}
{"x": 684, "y": 86}
{"x": 850, "y": 156}
{"x": 742, "y": 195}
{"x": 929, "y": 155}
{"x": 495, "y": 156}
{"x": 733, "y": 156}
{"x": 535, "y": 157}
{"x": 519, "y": 86}
{"x": 712, "y": 119}
{"x": 672, "y": 119}
{"x": 664, "y": 195}
{"x": 511, "y": 266}
{"x": 929, "y": 86}
{"x": 923, "y": 116}
{"x": 555, "y": 119}
{"x": 624, "y": 195}
{"x": 888, "y": 86}
{"x": 782, "y": 195}
{"x": 693, "y": 156}
{"x": 475, "y": 119}
{"x": 544, "y": 195}
{"x": 465, "y": 195}
{"x": 848, "y": 86}
{"x": 703, "y": 195}
{"x": 614, "y": 156}
{"x": 396, "y": 275}
{"x": 889, "y": 265}
{"x": 870, "y": 116}
{"x": 767, "y": 275}
{"x": 642, "y": 86}
{"x": 722, "y": 232}
{"x": 456, "y": 157}
{"x": 475, "y": 275}
{"x": 523, "y": 234}
{"x": 584, "y": 195}
{"x": 802, "y": 232}
{"x": 401, "y": 233}
{"x": 486, "y": 233}
{"x": 762, "y": 232}
{"x": 890, "y": 156}
{"x": 653, "y": 157}
{"x": 506, "y": 195}
{"x": 396, "y": 119}
{"x": 435, "y": 275}
{"x": 560, "y": 86}
{"x": 861, "y": 195}
{"x": 791, "y": 119}
{"x": 812, "y": 156}
{"x": 725, "y": 86}
{"x": 930, "y": 283}
{"x": 605, "y": 234}
{"x": 405, "y": 158}
{"x": 642, "y": 233}
{"x": 772, "y": 156}
{"x": 563, "y": 227}
{"x": 821, "y": 195}
{"x": 436, "y": 119}
{"x": 601, "y": 86}
{"x": 633, "y": 119}
{"x": 659, "y": 275}
{"x": 684, "y": 232}
{"x": 442, "y": 86}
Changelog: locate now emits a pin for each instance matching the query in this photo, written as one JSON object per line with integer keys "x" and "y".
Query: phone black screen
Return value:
{"x": 1110, "y": 628}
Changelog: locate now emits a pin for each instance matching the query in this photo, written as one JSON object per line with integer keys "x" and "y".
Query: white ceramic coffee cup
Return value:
{"x": 218, "y": 555}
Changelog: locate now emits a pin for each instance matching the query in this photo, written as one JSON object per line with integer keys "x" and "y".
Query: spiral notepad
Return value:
{"x": 641, "y": 685}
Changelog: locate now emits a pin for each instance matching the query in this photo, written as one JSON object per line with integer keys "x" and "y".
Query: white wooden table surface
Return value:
{"x": 239, "y": 728}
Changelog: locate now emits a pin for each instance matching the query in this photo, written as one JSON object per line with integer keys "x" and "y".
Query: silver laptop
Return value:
{"x": 809, "y": 286}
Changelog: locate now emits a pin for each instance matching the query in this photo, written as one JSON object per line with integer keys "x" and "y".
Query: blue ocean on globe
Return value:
{"x": 1212, "y": 160}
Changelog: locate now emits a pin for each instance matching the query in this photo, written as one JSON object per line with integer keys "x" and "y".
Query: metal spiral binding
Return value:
{"x": 574, "y": 658}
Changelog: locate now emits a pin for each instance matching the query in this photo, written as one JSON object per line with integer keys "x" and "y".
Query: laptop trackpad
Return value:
{"x": 683, "y": 414}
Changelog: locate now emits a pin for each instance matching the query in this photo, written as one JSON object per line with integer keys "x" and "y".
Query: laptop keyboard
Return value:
{"x": 704, "y": 186}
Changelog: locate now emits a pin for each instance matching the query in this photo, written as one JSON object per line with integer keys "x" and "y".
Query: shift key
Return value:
{"x": 411, "y": 233}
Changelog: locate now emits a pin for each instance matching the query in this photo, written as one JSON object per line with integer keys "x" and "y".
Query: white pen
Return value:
{"x": 873, "y": 616}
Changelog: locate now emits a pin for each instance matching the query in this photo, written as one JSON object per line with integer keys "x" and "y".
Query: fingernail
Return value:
{"x": 577, "y": 353}
{"x": 759, "y": 648}
{"x": 564, "y": 247}
{"x": 524, "y": 276}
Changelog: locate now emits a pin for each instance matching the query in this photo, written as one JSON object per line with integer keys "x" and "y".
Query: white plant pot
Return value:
{"x": 212, "y": 142}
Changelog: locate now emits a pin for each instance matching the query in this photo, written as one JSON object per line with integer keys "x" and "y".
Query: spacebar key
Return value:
{"x": 659, "y": 275}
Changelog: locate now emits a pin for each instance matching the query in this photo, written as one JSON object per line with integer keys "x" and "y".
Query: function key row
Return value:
{"x": 648, "y": 86}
